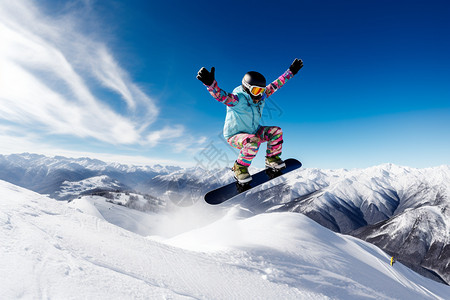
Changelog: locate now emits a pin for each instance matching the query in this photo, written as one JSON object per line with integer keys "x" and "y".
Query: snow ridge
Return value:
{"x": 51, "y": 249}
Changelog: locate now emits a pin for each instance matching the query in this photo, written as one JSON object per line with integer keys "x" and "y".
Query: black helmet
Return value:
{"x": 251, "y": 81}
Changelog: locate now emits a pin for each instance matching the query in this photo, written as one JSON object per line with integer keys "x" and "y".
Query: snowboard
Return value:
{"x": 230, "y": 190}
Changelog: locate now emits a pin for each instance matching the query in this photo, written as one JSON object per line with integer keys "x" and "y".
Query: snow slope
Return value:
{"x": 421, "y": 233}
{"x": 51, "y": 249}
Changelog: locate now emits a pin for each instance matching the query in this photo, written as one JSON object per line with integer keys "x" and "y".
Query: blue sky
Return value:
{"x": 116, "y": 80}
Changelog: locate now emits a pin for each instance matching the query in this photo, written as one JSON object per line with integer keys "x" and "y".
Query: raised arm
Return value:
{"x": 207, "y": 77}
{"x": 280, "y": 81}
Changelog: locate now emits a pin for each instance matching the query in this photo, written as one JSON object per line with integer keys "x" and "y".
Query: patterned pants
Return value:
{"x": 249, "y": 143}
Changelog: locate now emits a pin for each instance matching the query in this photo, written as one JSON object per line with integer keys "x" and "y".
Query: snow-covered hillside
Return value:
{"x": 356, "y": 202}
{"x": 72, "y": 189}
{"x": 52, "y": 249}
{"x": 185, "y": 187}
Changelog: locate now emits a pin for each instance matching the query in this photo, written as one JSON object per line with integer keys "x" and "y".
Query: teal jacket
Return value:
{"x": 243, "y": 115}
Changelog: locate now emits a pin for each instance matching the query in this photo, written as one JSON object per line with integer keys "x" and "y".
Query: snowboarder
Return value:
{"x": 242, "y": 128}
{"x": 392, "y": 261}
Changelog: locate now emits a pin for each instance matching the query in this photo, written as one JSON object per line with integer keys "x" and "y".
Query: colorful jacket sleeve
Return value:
{"x": 220, "y": 95}
{"x": 279, "y": 82}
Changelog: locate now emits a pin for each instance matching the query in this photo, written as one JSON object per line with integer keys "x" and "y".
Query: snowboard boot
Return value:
{"x": 275, "y": 163}
{"x": 241, "y": 173}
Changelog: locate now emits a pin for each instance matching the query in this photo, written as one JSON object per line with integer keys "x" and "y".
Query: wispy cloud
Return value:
{"x": 166, "y": 133}
{"x": 54, "y": 78}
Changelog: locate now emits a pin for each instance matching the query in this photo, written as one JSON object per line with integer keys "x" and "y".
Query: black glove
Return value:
{"x": 206, "y": 76}
{"x": 296, "y": 66}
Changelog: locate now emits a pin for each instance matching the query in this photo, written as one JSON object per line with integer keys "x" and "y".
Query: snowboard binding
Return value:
{"x": 274, "y": 169}
{"x": 242, "y": 187}
{"x": 273, "y": 173}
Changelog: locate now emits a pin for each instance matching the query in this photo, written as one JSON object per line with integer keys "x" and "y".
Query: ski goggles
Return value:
{"x": 253, "y": 89}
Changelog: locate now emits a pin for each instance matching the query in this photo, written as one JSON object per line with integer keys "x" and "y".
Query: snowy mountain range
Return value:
{"x": 402, "y": 210}
{"x": 92, "y": 249}
{"x": 54, "y": 175}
